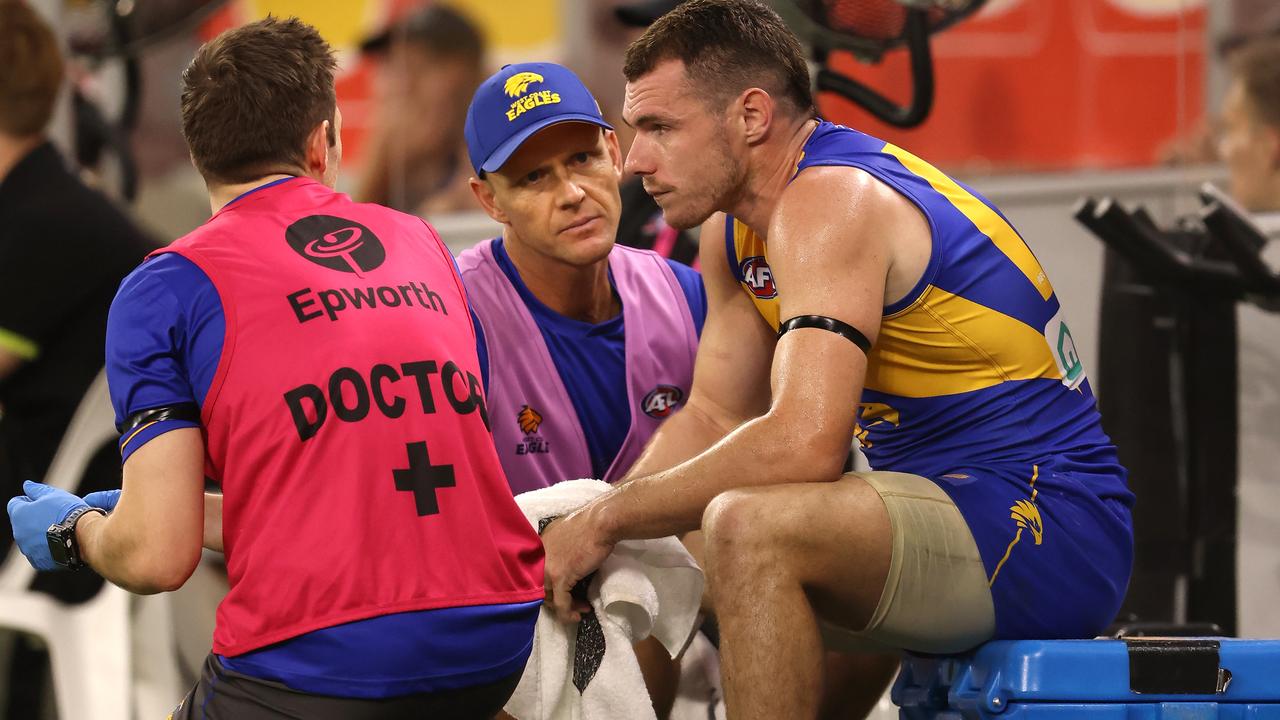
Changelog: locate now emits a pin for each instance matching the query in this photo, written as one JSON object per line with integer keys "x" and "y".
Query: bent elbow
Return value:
{"x": 165, "y": 572}
{"x": 823, "y": 464}
{"x": 818, "y": 456}
{"x": 172, "y": 581}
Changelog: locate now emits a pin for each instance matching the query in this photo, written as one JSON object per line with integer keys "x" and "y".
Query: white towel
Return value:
{"x": 589, "y": 671}
{"x": 700, "y": 695}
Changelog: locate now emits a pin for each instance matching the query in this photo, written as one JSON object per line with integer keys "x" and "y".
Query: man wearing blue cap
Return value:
{"x": 586, "y": 345}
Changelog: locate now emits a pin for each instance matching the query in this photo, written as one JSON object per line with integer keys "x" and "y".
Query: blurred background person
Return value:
{"x": 1254, "y": 21}
{"x": 641, "y": 224}
{"x": 1250, "y": 134}
{"x": 63, "y": 250}
{"x": 429, "y": 63}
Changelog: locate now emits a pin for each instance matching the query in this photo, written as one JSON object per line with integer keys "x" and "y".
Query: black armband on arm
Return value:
{"x": 822, "y": 322}
{"x": 181, "y": 411}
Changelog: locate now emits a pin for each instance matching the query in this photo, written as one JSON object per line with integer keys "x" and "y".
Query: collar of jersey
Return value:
{"x": 263, "y": 186}
{"x": 550, "y": 318}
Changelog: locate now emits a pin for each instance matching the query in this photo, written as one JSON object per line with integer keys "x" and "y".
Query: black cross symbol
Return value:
{"x": 423, "y": 479}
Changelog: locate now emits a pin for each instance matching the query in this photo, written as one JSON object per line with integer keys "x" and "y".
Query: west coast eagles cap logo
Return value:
{"x": 517, "y": 86}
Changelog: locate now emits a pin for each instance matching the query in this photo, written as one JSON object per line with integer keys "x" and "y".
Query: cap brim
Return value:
{"x": 499, "y": 157}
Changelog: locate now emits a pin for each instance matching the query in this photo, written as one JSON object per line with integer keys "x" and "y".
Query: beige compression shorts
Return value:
{"x": 936, "y": 598}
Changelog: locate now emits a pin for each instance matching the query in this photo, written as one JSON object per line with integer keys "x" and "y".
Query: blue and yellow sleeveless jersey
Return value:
{"x": 974, "y": 382}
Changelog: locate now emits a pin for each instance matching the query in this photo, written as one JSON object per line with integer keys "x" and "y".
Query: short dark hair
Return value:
{"x": 32, "y": 76}
{"x": 1257, "y": 65}
{"x": 726, "y": 46}
{"x": 252, "y": 95}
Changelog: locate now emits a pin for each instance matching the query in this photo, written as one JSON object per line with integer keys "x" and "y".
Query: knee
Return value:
{"x": 735, "y": 525}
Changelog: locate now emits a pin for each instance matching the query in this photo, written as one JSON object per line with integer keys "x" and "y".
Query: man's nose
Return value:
{"x": 639, "y": 158}
{"x": 569, "y": 192}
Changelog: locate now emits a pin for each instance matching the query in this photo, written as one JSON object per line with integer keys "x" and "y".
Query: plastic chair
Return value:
{"x": 90, "y": 643}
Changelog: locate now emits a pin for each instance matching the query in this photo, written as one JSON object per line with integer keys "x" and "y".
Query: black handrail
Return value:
{"x": 1175, "y": 256}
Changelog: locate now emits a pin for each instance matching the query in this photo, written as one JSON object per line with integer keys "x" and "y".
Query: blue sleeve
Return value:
{"x": 691, "y": 282}
{"x": 164, "y": 341}
{"x": 482, "y": 349}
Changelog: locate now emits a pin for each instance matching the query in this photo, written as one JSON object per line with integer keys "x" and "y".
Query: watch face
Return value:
{"x": 59, "y": 545}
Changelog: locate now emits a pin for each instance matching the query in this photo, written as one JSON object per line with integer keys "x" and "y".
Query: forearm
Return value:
{"x": 151, "y": 541}
{"x": 686, "y": 434}
{"x": 107, "y": 546}
{"x": 213, "y": 521}
{"x": 759, "y": 452}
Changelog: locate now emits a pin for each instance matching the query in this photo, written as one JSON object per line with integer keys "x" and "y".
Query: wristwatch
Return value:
{"x": 62, "y": 539}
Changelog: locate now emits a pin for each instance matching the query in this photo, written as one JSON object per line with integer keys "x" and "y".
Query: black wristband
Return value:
{"x": 822, "y": 322}
{"x": 64, "y": 548}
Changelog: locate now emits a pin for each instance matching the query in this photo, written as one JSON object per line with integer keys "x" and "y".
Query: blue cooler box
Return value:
{"x": 1134, "y": 678}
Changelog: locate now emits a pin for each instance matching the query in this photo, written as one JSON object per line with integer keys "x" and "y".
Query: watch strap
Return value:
{"x": 64, "y": 534}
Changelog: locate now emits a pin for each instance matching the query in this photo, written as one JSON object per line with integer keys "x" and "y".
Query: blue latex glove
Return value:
{"x": 31, "y": 516}
{"x": 103, "y": 499}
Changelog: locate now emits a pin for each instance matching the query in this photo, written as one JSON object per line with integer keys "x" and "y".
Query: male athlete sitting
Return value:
{"x": 852, "y": 281}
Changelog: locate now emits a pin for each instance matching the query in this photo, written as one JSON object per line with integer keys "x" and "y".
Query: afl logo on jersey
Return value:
{"x": 662, "y": 401}
{"x": 336, "y": 243}
{"x": 758, "y": 277}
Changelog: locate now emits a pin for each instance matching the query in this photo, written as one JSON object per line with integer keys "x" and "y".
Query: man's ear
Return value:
{"x": 755, "y": 108}
{"x": 316, "y": 154}
{"x": 483, "y": 190}
{"x": 615, "y": 150}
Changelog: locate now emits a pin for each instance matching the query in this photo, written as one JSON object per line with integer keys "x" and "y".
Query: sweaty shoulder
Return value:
{"x": 826, "y": 206}
{"x": 825, "y": 193}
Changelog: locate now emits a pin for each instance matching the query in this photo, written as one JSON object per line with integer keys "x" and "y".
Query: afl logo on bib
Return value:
{"x": 758, "y": 277}
{"x": 336, "y": 243}
{"x": 662, "y": 401}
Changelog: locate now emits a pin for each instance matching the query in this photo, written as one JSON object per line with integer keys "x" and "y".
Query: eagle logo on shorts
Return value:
{"x": 529, "y": 420}
{"x": 517, "y": 84}
{"x": 1027, "y": 515}
{"x": 868, "y": 415}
